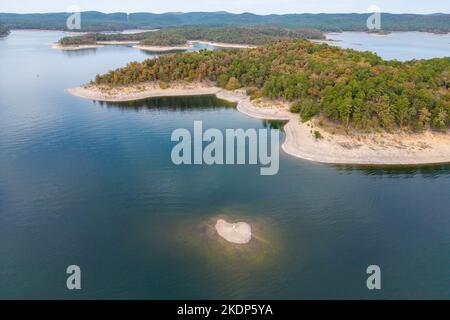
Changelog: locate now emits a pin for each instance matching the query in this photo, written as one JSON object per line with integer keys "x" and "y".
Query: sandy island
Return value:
{"x": 362, "y": 149}
{"x": 238, "y": 233}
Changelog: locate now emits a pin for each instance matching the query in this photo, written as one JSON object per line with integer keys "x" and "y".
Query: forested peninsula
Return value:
{"x": 181, "y": 36}
{"x": 349, "y": 88}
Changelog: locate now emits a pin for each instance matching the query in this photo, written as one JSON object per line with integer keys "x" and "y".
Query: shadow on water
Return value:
{"x": 79, "y": 53}
{"x": 156, "y": 52}
{"x": 274, "y": 124}
{"x": 398, "y": 171}
{"x": 182, "y": 103}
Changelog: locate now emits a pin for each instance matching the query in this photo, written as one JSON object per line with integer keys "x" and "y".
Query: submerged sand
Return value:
{"x": 362, "y": 149}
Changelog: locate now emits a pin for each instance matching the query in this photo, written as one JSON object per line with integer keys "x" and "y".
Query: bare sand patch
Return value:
{"x": 239, "y": 232}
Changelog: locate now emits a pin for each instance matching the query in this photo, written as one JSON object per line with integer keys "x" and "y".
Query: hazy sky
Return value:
{"x": 255, "y": 6}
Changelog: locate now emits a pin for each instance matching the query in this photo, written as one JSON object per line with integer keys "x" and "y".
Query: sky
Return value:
{"x": 235, "y": 6}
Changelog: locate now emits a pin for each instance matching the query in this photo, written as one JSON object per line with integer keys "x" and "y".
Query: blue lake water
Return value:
{"x": 397, "y": 45}
{"x": 93, "y": 185}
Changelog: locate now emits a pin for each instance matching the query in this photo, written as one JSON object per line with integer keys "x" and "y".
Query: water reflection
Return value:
{"x": 80, "y": 53}
{"x": 204, "y": 102}
{"x": 398, "y": 171}
{"x": 274, "y": 124}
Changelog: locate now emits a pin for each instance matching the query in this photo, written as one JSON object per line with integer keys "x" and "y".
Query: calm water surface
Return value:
{"x": 397, "y": 45}
{"x": 93, "y": 185}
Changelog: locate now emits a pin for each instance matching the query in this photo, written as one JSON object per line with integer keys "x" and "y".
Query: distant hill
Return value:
{"x": 98, "y": 21}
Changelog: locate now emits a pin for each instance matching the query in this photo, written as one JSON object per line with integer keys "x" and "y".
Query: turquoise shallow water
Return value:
{"x": 92, "y": 184}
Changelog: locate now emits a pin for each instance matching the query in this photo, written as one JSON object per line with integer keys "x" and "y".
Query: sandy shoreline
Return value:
{"x": 374, "y": 149}
{"x": 143, "y": 91}
{"x": 76, "y": 47}
{"x": 136, "y": 45}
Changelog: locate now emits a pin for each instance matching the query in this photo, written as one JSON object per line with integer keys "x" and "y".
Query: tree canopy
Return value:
{"x": 353, "y": 88}
{"x": 178, "y": 36}
{"x": 4, "y": 31}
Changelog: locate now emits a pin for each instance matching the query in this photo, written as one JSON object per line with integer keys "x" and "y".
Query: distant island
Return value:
{"x": 171, "y": 39}
{"x": 4, "y": 31}
{"x": 96, "y": 21}
{"x": 354, "y": 106}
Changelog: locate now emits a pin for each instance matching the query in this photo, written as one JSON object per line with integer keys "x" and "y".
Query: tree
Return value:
{"x": 233, "y": 84}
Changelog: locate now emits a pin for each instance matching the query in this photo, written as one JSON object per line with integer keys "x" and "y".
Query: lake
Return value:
{"x": 396, "y": 45}
{"x": 92, "y": 184}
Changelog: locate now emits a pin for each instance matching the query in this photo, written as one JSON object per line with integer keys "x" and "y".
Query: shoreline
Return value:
{"x": 156, "y": 49}
{"x": 76, "y": 47}
{"x": 373, "y": 149}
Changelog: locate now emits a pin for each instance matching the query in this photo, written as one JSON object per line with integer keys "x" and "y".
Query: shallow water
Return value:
{"x": 93, "y": 184}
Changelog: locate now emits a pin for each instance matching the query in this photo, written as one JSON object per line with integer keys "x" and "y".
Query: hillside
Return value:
{"x": 97, "y": 21}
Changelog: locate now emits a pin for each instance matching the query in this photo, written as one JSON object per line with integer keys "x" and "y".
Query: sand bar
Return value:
{"x": 369, "y": 149}
{"x": 76, "y": 47}
{"x": 238, "y": 233}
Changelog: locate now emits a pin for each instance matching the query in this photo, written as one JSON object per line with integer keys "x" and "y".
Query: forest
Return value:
{"x": 177, "y": 36}
{"x": 351, "y": 88}
{"x": 93, "y": 21}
